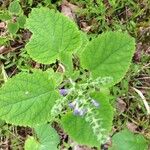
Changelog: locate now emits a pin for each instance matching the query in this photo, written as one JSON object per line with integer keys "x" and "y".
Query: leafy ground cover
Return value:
{"x": 130, "y": 97}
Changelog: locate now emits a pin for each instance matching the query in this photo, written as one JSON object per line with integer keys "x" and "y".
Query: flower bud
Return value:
{"x": 64, "y": 92}
{"x": 95, "y": 103}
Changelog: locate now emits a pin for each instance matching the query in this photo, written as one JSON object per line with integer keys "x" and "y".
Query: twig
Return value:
{"x": 144, "y": 100}
{"x": 145, "y": 88}
{"x": 143, "y": 78}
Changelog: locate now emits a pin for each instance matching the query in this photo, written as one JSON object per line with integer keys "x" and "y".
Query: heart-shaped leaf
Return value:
{"x": 48, "y": 139}
{"x": 109, "y": 54}
{"x": 52, "y": 33}
{"x": 127, "y": 140}
{"x": 27, "y": 99}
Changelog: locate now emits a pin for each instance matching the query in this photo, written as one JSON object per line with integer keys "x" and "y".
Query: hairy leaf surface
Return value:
{"x": 52, "y": 33}
{"x": 15, "y": 7}
{"x": 48, "y": 137}
{"x": 80, "y": 131}
{"x": 27, "y": 99}
{"x": 127, "y": 140}
{"x": 109, "y": 55}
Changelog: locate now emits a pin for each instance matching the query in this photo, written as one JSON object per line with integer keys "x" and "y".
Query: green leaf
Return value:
{"x": 126, "y": 140}
{"x": 85, "y": 41}
{"x": 4, "y": 15}
{"x": 66, "y": 59}
{"x": 109, "y": 55}
{"x": 52, "y": 33}
{"x": 31, "y": 144}
{"x": 48, "y": 2}
{"x": 56, "y": 76}
{"x": 48, "y": 137}
{"x": 80, "y": 131}
{"x": 21, "y": 20}
{"x": 3, "y": 75}
{"x": 30, "y": 2}
{"x": 15, "y": 7}
{"x": 27, "y": 99}
{"x": 2, "y": 124}
{"x": 13, "y": 27}
{"x": 3, "y": 40}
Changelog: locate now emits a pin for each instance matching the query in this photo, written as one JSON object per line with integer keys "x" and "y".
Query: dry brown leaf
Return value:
{"x": 68, "y": 10}
{"x": 60, "y": 68}
{"x": 26, "y": 35}
{"x": 73, "y": 7}
{"x": 121, "y": 105}
{"x": 85, "y": 27}
{"x": 131, "y": 126}
{"x": 138, "y": 53}
{"x": 78, "y": 147}
{"x": 3, "y": 49}
{"x": 2, "y": 25}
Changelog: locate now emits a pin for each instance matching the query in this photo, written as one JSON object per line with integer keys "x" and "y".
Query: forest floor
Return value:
{"x": 93, "y": 18}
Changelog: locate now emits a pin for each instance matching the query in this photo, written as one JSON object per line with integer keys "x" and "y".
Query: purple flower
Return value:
{"x": 64, "y": 92}
{"x": 95, "y": 103}
{"x": 76, "y": 111}
{"x": 82, "y": 112}
{"x": 79, "y": 111}
{"x": 72, "y": 105}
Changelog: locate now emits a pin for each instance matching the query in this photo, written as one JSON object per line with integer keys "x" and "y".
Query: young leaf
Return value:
{"x": 21, "y": 20}
{"x": 109, "y": 55}
{"x": 13, "y": 27}
{"x": 3, "y": 40}
{"x": 126, "y": 140}
{"x": 52, "y": 33}
{"x": 48, "y": 137}
{"x": 30, "y": 2}
{"x": 31, "y": 144}
{"x": 15, "y": 7}
{"x": 3, "y": 75}
{"x": 80, "y": 131}
{"x": 27, "y": 99}
{"x": 4, "y": 15}
{"x": 56, "y": 76}
{"x": 66, "y": 59}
